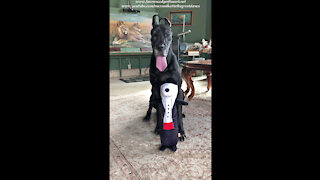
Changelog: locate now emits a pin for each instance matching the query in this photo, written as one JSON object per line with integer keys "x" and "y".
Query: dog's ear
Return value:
{"x": 167, "y": 21}
{"x": 154, "y": 20}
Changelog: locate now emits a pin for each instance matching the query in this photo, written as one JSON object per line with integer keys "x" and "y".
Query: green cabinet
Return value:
{"x": 119, "y": 61}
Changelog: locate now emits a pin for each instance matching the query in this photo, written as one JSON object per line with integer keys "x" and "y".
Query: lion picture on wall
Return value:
{"x": 125, "y": 33}
{"x": 128, "y": 30}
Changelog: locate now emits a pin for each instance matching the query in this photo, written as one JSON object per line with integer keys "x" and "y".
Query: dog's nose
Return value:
{"x": 167, "y": 89}
{"x": 161, "y": 46}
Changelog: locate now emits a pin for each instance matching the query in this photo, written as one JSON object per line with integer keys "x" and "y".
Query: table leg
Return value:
{"x": 209, "y": 78}
{"x": 191, "y": 72}
{"x": 185, "y": 77}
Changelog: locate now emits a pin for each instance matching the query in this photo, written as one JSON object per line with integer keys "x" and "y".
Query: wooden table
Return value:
{"x": 189, "y": 68}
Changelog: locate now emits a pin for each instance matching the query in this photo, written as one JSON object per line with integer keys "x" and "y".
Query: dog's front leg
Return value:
{"x": 157, "y": 105}
{"x": 180, "y": 117}
{"x": 180, "y": 123}
{"x": 154, "y": 99}
{"x": 160, "y": 112}
{"x": 154, "y": 102}
{"x": 147, "y": 117}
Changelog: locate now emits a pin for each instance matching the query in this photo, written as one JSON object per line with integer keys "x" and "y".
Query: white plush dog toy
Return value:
{"x": 169, "y": 134}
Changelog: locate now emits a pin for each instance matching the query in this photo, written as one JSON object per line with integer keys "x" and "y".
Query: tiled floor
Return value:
{"x": 134, "y": 147}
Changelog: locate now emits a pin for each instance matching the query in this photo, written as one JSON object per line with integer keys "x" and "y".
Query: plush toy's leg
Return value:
{"x": 162, "y": 148}
{"x": 173, "y": 148}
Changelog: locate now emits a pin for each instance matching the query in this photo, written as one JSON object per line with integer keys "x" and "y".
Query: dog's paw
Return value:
{"x": 147, "y": 118}
{"x": 182, "y": 136}
{"x": 157, "y": 131}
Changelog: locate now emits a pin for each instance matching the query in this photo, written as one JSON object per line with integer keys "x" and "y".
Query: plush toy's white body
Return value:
{"x": 168, "y": 94}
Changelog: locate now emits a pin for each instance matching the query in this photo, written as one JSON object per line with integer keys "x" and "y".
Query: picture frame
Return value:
{"x": 176, "y": 17}
{"x": 129, "y": 32}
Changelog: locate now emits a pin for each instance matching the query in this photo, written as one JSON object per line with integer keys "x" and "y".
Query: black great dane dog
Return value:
{"x": 164, "y": 68}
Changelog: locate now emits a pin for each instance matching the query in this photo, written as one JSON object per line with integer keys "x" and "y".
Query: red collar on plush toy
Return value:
{"x": 168, "y": 126}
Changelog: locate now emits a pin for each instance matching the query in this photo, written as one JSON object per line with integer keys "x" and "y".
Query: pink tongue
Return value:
{"x": 161, "y": 63}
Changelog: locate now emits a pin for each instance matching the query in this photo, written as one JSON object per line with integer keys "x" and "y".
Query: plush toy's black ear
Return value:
{"x": 154, "y": 20}
{"x": 167, "y": 21}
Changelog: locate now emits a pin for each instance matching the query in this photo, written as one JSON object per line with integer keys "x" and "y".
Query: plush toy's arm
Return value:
{"x": 182, "y": 102}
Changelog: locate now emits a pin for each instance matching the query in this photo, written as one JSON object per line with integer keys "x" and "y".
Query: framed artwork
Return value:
{"x": 176, "y": 17}
{"x": 129, "y": 30}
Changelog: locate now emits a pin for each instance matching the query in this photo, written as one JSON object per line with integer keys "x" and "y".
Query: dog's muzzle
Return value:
{"x": 168, "y": 92}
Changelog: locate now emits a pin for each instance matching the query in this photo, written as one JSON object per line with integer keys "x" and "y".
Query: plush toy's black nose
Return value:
{"x": 167, "y": 90}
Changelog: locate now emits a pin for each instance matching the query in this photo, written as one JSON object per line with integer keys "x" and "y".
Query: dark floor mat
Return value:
{"x": 135, "y": 79}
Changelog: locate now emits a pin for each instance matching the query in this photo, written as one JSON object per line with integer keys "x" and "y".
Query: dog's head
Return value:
{"x": 161, "y": 39}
